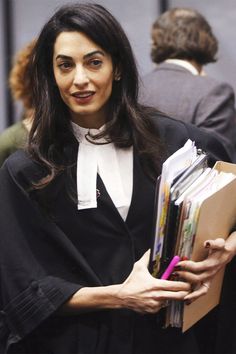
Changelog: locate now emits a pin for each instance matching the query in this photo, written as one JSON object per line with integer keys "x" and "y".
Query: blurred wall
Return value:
{"x": 2, "y": 71}
{"x": 136, "y": 17}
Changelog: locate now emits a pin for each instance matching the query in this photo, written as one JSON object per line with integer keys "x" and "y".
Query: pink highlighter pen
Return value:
{"x": 170, "y": 267}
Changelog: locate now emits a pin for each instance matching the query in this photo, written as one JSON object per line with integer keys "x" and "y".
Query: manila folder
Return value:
{"x": 216, "y": 219}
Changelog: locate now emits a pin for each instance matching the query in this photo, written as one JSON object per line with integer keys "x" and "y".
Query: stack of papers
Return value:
{"x": 191, "y": 206}
{"x": 173, "y": 174}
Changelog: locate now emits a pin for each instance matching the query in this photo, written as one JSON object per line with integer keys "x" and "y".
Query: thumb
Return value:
{"x": 145, "y": 258}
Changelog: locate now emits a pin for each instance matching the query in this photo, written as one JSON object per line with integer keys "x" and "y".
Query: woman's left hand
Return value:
{"x": 200, "y": 274}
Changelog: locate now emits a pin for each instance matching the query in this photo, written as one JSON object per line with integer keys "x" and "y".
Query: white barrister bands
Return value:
{"x": 115, "y": 167}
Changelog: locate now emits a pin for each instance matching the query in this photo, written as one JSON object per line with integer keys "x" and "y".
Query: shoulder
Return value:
{"x": 12, "y": 130}
{"x": 169, "y": 129}
{"x": 10, "y": 134}
{"x": 213, "y": 86}
{"x": 12, "y": 139}
{"x": 23, "y": 170}
{"x": 205, "y": 82}
{"x": 175, "y": 133}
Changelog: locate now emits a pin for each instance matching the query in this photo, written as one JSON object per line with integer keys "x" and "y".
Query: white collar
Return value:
{"x": 185, "y": 64}
{"x": 81, "y": 134}
{"x": 93, "y": 159}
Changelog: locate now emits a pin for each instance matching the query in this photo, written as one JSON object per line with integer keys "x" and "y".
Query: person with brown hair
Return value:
{"x": 15, "y": 136}
{"x": 182, "y": 44}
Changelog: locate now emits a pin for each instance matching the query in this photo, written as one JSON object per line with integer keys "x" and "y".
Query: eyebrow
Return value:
{"x": 86, "y": 56}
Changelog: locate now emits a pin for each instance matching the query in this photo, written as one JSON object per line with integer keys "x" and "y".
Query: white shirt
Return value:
{"x": 185, "y": 64}
{"x": 114, "y": 165}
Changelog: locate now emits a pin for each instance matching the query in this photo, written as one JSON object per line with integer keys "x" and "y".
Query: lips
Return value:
{"x": 84, "y": 94}
{"x": 83, "y": 97}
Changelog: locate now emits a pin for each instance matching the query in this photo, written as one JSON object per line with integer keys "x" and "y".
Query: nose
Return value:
{"x": 81, "y": 78}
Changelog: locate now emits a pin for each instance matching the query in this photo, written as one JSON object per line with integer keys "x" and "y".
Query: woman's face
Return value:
{"x": 84, "y": 76}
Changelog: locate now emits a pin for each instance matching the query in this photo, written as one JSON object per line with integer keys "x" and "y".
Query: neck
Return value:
{"x": 196, "y": 65}
{"x": 89, "y": 124}
{"x": 90, "y": 121}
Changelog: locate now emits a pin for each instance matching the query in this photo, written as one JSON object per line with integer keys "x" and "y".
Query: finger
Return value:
{"x": 194, "y": 278}
{"x": 189, "y": 277}
{"x": 190, "y": 266}
{"x": 171, "y": 295}
{"x": 169, "y": 285}
{"x": 201, "y": 291}
{"x": 196, "y": 267}
{"x": 206, "y": 284}
{"x": 160, "y": 305}
{"x": 165, "y": 303}
{"x": 153, "y": 306}
{"x": 217, "y": 244}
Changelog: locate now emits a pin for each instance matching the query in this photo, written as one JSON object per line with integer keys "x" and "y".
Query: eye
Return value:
{"x": 95, "y": 63}
{"x": 65, "y": 66}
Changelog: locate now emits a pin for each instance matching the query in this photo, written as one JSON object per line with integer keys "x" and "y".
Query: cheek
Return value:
{"x": 63, "y": 86}
{"x": 107, "y": 85}
{"x": 62, "y": 82}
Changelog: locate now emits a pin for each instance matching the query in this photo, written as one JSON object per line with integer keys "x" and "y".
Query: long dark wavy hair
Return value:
{"x": 51, "y": 139}
{"x": 183, "y": 33}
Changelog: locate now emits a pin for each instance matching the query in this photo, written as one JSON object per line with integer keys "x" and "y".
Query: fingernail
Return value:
{"x": 174, "y": 276}
{"x": 184, "y": 258}
{"x": 187, "y": 302}
{"x": 177, "y": 267}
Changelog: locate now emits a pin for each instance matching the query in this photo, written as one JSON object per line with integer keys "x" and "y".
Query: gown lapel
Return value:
{"x": 138, "y": 224}
{"x": 142, "y": 193}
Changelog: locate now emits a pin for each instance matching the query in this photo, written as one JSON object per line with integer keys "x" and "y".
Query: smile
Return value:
{"x": 83, "y": 98}
{"x": 84, "y": 94}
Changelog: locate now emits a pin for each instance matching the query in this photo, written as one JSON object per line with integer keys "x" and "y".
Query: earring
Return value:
{"x": 117, "y": 78}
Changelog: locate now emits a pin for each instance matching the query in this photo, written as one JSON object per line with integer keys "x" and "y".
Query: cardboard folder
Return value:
{"x": 217, "y": 217}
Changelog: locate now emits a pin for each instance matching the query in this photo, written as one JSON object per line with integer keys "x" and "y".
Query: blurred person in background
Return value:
{"x": 15, "y": 136}
{"x": 182, "y": 43}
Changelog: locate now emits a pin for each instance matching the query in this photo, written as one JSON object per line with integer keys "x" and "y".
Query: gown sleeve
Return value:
{"x": 175, "y": 133}
{"x": 30, "y": 293}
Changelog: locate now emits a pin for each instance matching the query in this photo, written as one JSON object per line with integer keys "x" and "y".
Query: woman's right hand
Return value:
{"x": 143, "y": 293}
{"x": 140, "y": 292}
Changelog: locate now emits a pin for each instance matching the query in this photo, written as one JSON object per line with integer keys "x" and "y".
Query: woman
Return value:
{"x": 78, "y": 204}
{"x": 15, "y": 136}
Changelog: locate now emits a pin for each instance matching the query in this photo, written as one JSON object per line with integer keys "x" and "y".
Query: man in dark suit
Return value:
{"x": 182, "y": 43}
